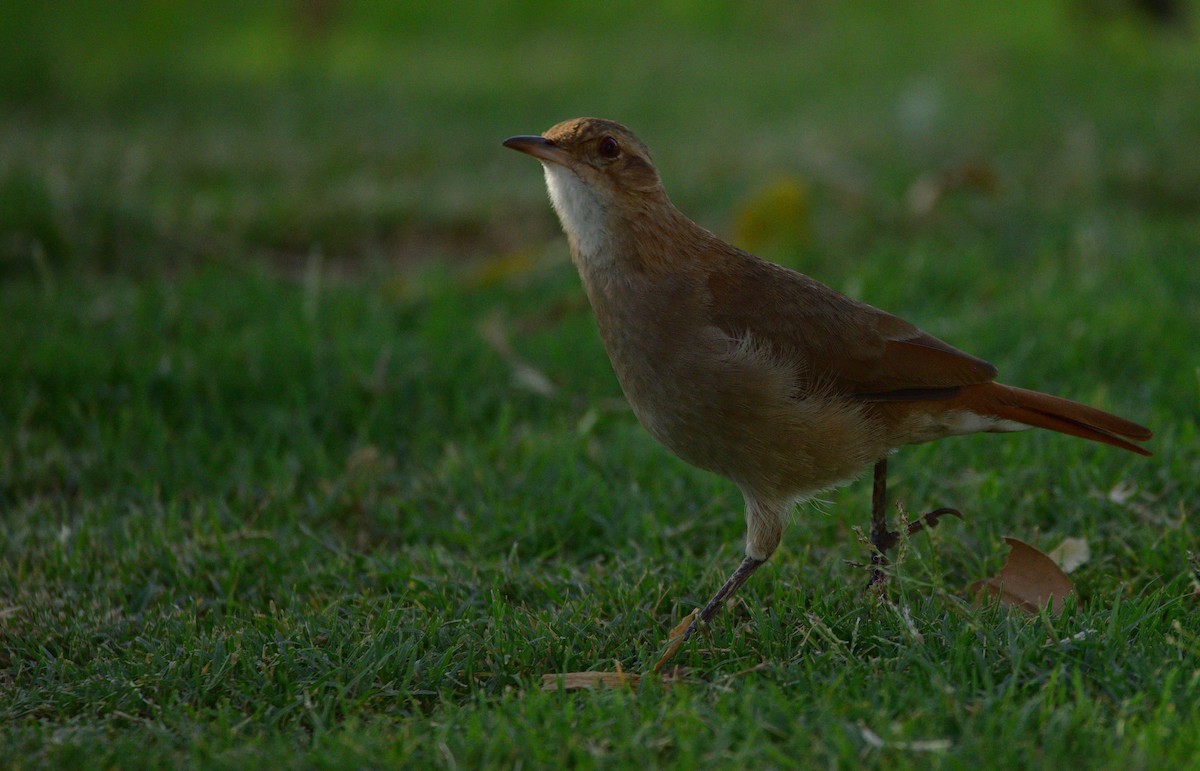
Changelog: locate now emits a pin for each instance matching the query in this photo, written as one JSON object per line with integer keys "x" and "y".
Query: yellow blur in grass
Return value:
{"x": 775, "y": 218}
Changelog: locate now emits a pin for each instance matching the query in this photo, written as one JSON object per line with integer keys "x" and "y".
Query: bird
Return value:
{"x": 759, "y": 373}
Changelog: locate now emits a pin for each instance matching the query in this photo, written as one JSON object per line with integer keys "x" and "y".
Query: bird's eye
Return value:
{"x": 609, "y": 148}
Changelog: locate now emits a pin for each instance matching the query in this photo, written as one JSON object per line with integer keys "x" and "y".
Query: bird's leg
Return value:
{"x": 744, "y": 571}
{"x": 882, "y": 538}
{"x": 680, "y": 634}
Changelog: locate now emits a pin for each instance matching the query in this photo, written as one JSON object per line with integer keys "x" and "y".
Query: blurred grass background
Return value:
{"x": 175, "y": 132}
{"x": 274, "y": 489}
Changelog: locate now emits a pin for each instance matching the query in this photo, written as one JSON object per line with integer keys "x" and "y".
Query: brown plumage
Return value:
{"x": 754, "y": 371}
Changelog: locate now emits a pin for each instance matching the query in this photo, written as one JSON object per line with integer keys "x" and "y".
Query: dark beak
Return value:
{"x": 539, "y": 147}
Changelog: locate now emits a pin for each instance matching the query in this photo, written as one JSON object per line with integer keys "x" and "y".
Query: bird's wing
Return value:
{"x": 837, "y": 342}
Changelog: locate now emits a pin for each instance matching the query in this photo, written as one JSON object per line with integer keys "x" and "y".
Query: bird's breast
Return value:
{"x": 725, "y": 403}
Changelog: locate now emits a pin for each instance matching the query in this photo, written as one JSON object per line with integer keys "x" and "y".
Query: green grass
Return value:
{"x": 267, "y": 495}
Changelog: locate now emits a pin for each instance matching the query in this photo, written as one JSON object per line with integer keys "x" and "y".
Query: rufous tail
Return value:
{"x": 1040, "y": 410}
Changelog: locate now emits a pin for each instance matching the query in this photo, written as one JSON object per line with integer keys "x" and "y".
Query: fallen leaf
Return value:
{"x": 675, "y": 640}
{"x": 1029, "y": 580}
{"x": 1070, "y": 554}
{"x": 574, "y": 681}
{"x": 501, "y": 268}
{"x": 776, "y": 215}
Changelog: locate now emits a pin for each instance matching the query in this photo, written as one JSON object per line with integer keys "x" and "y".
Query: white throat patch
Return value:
{"x": 583, "y": 213}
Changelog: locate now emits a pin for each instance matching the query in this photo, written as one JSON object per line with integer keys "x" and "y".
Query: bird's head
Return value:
{"x": 596, "y": 170}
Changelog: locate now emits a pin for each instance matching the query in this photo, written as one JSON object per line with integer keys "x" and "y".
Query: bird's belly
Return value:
{"x": 733, "y": 411}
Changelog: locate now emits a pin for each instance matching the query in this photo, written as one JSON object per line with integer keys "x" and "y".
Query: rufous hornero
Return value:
{"x": 756, "y": 372}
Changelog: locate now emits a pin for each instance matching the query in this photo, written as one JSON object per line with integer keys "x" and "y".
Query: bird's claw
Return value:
{"x": 931, "y": 519}
{"x": 884, "y": 539}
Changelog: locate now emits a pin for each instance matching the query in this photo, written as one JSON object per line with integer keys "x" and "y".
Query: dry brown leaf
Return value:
{"x": 675, "y": 640}
{"x": 573, "y": 681}
{"x": 501, "y": 268}
{"x": 779, "y": 214}
{"x": 1029, "y": 580}
{"x": 1070, "y": 554}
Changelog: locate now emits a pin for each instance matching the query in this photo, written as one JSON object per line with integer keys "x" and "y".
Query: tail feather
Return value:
{"x": 1040, "y": 410}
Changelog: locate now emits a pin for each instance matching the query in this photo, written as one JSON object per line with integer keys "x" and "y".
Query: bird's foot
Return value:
{"x": 698, "y": 619}
{"x": 883, "y": 539}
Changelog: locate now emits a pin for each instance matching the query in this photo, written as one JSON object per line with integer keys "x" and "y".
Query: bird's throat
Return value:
{"x": 584, "y": 213}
